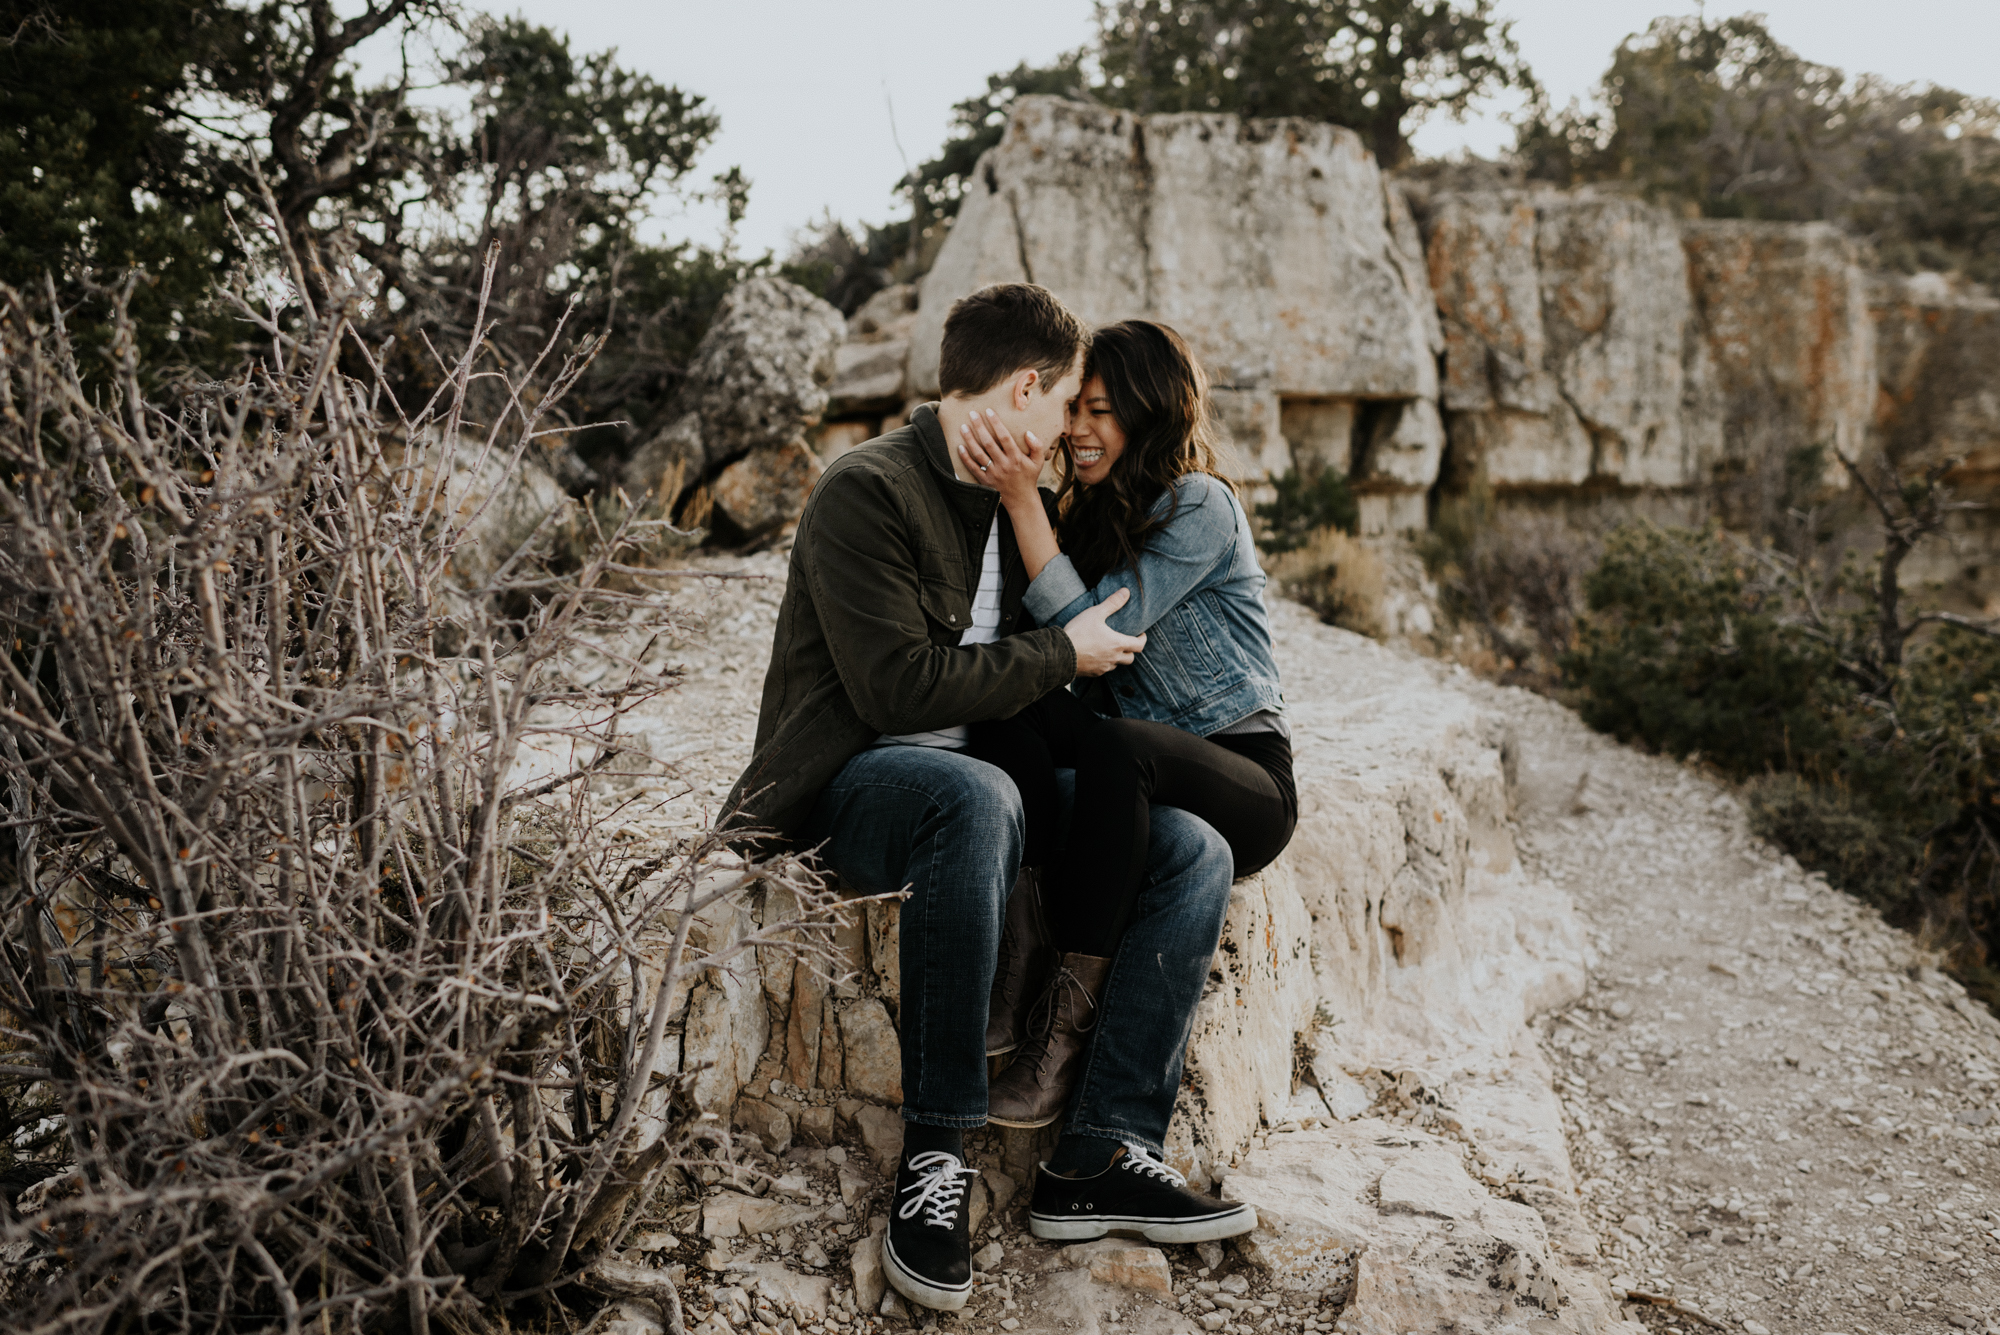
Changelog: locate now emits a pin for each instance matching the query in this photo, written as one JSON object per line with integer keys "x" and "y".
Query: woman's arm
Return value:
{"x": 991, "y": 456}
{"x": 1179, "y": 560}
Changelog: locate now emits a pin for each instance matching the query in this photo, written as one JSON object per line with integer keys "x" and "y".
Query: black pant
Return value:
{"x": 1240, "y": 784}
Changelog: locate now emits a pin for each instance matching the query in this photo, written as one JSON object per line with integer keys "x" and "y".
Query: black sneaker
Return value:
{"x": 927, "y": 1256}
{"x": 1136, "y": 1194}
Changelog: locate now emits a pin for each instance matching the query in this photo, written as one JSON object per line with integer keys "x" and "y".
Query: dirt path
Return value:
{"x": 1784, "y": 1118}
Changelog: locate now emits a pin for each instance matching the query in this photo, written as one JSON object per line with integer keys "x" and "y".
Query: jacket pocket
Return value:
{"x": 1195, "y": 636}
{"x": 943, "y": 596}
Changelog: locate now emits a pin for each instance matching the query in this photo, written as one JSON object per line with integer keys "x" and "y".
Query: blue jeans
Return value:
{"x": 950, "y": 830}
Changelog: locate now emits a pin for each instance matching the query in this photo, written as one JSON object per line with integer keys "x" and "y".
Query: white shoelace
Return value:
{"x": 1139, "y": 1159}
{"x": 939, "y": 1187}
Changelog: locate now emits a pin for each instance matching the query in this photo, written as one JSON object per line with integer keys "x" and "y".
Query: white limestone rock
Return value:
{"x": 869, "y": 365}
{"x": 1396, "y": 931}
{"x": 730, "y": 1214}
{"x": 727, "y": 1024}
{"x": 1126, "y": 1266}
{"x": 1073, "y": 1302}
{"x": 803, "y": 1297}
{"x": 865, "y": 1272}
{"x": 1239, "y": 1061}
{"x": 1426, "y": 1246}
{"x": 871, "y": 1052}
{"x": 1274, "y": 247}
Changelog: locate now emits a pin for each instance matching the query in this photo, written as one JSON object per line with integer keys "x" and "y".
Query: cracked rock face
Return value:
{"x": 1936, "y": 349}
{"x": 1570, "y": 344}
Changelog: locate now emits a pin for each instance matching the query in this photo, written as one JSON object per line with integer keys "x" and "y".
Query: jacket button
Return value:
{"x": 952, "y": 616}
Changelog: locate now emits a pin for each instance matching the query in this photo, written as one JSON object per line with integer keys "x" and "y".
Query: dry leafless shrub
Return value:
{"x": 1336, "y": 575}
{"x": 326, "y": 1016}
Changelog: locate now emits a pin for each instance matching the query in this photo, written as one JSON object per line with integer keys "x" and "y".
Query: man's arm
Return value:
{"x": 869, "y": 594}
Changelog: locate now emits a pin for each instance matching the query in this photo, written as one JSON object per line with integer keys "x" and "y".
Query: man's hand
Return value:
{"x": 1098, "y": 647}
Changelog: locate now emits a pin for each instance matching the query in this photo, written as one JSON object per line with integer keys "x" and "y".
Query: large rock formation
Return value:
{"x": 1571, "y": 354}
{"x": 1454, "y": 1201}
{"x": 1591, "y": 345}
{"x": 1580, "y": 347}
{"x": 1269, "y": 244}
{"x": 1275, "y": 247}
{"x": 757, "y": 383}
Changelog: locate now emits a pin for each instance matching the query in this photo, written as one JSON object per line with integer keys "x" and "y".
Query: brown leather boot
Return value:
{"x": 1034, "y": 1089}
{"x": 1023, "y": 968}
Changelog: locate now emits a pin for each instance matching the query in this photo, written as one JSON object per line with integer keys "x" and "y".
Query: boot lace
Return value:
{"x": 1003, "y": 972}
{"x": 1139, "y": 1159}
{"x": 1042, "y": 1019}
{"x": 1012, "y": 947}
{"x": 939, "y": 1188}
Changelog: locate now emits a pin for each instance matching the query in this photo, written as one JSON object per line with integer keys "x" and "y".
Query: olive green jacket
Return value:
{"x": 883, "y": 572}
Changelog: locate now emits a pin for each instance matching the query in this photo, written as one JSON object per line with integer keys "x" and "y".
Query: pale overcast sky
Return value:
{"x": 800, "y": 83}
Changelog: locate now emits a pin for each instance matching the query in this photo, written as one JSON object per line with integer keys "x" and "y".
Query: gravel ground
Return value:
{"x": 1783, "y": 1114}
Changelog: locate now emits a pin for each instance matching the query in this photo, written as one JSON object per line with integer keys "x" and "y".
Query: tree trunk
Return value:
{"x": 1889, "y": 592}
{"x": 1385, "y": 136}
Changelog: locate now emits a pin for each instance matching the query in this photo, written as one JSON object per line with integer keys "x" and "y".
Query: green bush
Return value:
{"x": 1681, "y": 650}
{"x": 1827, "y": 829}
{"x": 1305, "y": 505}
{"x": 1880, "y": 769}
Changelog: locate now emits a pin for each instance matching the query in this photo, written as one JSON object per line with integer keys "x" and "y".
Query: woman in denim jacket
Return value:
{"x": 1196, "y": 722}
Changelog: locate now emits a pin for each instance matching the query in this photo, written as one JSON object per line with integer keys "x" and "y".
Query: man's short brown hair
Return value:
{"x": 1003, "y": 329}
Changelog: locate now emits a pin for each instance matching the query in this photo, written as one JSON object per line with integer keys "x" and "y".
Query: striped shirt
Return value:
{"x": 985, "y": 629}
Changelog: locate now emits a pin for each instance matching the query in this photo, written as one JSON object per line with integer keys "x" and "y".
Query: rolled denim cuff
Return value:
{"x": 960, "y": 1122}
{"x": 1124, "y": 1134}
{"x": 1050, "y": 596}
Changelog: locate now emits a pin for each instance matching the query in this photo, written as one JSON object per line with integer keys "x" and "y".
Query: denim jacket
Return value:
{"x": 1198, "y": 595}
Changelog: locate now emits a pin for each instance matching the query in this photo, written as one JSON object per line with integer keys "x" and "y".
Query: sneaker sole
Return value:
{"x": 918, "y": 1289}
{"x": 1211, "y": 1228}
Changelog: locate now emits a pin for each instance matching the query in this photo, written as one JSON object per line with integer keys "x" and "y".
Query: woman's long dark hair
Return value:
{"x": 1159, "y": 396}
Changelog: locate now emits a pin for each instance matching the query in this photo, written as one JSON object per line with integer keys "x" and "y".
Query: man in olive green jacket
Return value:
{"x": 902, "y": 622}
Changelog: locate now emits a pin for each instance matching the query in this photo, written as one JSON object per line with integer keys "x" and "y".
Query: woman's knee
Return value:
{"x": 1116, "y": 746}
